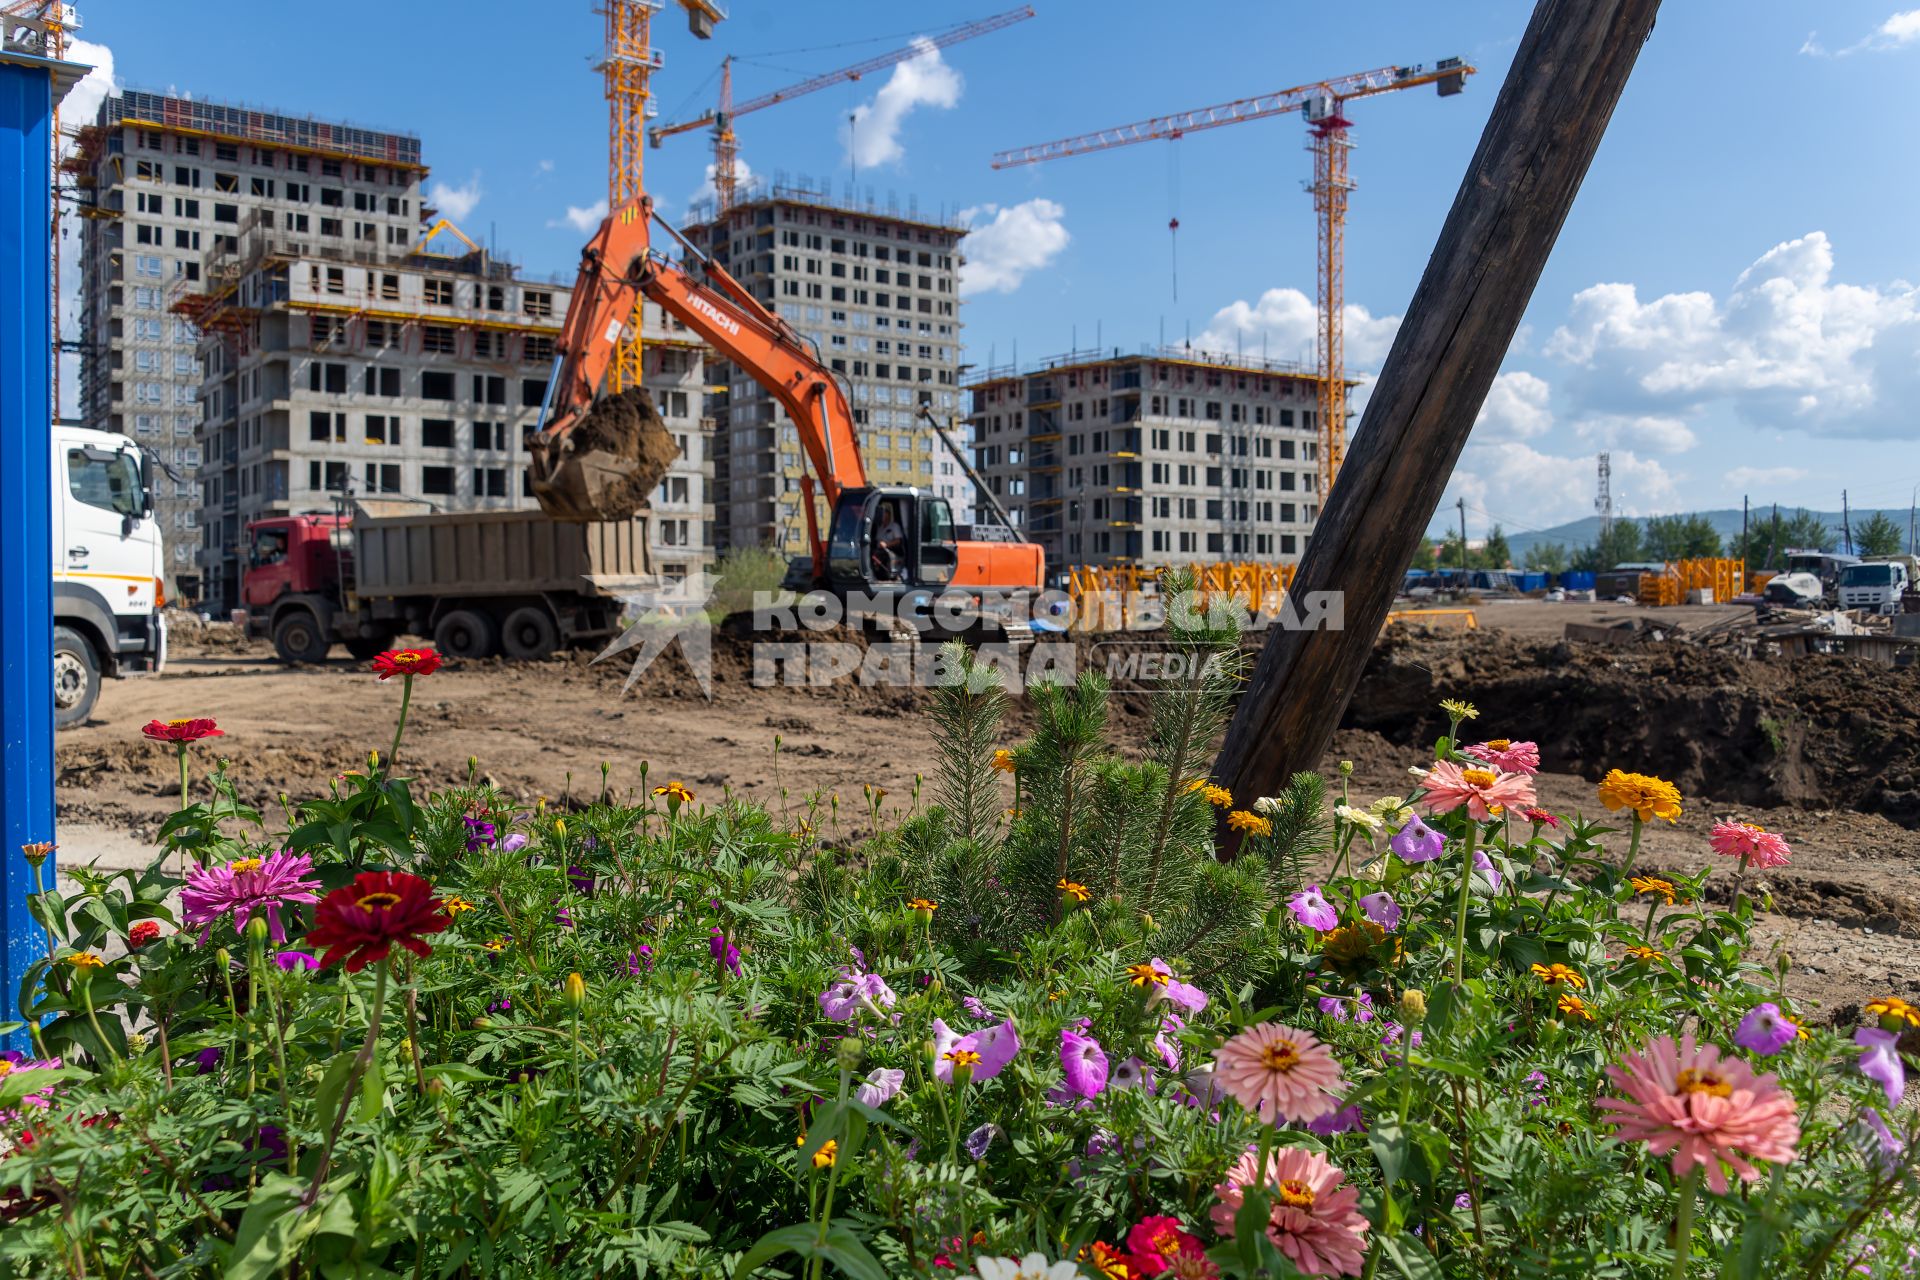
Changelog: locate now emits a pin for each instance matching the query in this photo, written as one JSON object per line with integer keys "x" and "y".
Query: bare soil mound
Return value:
{"x": 1816, "y": 732}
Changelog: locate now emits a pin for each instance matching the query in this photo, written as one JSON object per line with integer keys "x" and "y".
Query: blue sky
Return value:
{"x": 1729, "y": 308}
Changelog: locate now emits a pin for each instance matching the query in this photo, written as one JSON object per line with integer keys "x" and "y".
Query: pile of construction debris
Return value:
{"x": 1773, "y": 632}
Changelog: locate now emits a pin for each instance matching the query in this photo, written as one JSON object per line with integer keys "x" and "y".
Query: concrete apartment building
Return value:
{"x": 170, "y": 179}
{"x": 1167, "y": 456}
{"x": 875, "y": 290}
{"x": 416, "y": 375}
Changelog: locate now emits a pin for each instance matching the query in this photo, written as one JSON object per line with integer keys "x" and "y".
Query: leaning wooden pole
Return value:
{"x": 1553, "y": 109}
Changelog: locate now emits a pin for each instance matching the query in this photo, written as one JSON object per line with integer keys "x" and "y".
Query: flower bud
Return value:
{"x": 1346, "y": 768}
{"x": 560, "y": 827}
{"x": 848, "y": 1052}
{"x": 926, "y": 1051}
{"x": 136, "y": 1042}
{"x": 1148, "y": 922}
{"x": 223, "y": 957}
{"x": 436, "y": 1087}
{"x": 257, "y": 932}
{"x": 1413, "y": 1006}
{"x": 373, "y": 761}
{"x": 574, "y": 991}
{"x": 483, "y": 1024}
{"x": 962, "y": 1074}
{"x": 37, "y": 852}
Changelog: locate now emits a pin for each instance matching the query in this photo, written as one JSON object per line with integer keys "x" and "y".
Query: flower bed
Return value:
{"x": 1037, "y": 1028}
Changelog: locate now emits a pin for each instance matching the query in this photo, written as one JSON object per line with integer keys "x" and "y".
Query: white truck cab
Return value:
{"x": 108, "y": 568}
{"x": 1876, "y": 585}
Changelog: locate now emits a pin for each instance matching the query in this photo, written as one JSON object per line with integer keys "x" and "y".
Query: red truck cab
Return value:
{"x": 292, "y": 590}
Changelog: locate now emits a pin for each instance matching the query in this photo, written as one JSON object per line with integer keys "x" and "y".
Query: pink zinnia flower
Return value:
{"x": 1279, "y": 1073}
{"x": 1485, "y": 792}
{"x": 1758, "y": 846}
{"x": 1711, "y": 1112}
{"x": 1312, "y": 1219}
{"x": 241, "y": 887}
{"x": 1508, "y": 757}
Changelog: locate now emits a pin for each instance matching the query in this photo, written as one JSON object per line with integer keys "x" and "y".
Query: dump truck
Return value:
{"x": 479, "y": 583}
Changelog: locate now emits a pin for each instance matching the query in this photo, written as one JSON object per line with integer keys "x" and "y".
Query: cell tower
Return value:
{"x": 1603, "y": 503}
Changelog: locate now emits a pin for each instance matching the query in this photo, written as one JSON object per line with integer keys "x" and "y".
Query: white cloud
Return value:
{"x": 81, "y": 106}
{"x": 456, "y": 202}
{"x": 1518, "y": 485}
{"x": 1787, "y": 348}
{"x": 1653, "y": 432}
{"x": 1010, "y": 244}
{"x": 924, "y": 80}
{"x": 1896, "y": 32}
{"x": 1516, "y": 409}
{"x": 743, "y": 174}
{"x": 1763, "y": 477}
{"x": 581, "y": 218}
{"x": 545, "y": 166}
{"x": 1284, "y": 323}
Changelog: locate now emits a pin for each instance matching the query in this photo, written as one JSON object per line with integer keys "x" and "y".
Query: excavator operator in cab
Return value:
{"x": 889, "y": 539}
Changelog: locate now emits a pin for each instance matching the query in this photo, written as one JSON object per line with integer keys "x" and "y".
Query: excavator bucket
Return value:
{"x": 606, "y": 465}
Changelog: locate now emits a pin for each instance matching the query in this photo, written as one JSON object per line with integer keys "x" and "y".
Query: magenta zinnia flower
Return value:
{"x": 239, "y": 888}
{"x": 1712, "y": 1113}
{"x": 1312, "y": 1219}
{"x": 1279, "y": 1073}
{"x": 1756, "y": 845}
{"x": 1085, "y": 1063}
{"x": 1485, "y": 792}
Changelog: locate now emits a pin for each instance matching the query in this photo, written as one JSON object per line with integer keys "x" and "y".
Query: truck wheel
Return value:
{"x": 529, "y": 634}
{"x": 298, "y": 638}
{"x": 365, "y": 647}
{"x": 465, "y": 633}
{"x": 76, "y": 678}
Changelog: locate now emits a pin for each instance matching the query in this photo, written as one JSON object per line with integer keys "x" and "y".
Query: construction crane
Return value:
{"x": 57, "y": 19}
{"x": 628, "y": 69}
{"x": 726, "y": 145}
{"x": 1322, "y": 104}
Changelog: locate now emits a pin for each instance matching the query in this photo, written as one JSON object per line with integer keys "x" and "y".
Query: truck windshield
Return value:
{"x": 1867, "y": 575}
{"x": 107, "y": 480}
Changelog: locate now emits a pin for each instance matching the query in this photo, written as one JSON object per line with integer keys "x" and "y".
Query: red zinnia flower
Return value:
{"x": 143, "y": 933}
{"x": 191, "y": 730}
{"x": 360, "y": 922}
{"x": 406, "y": 662}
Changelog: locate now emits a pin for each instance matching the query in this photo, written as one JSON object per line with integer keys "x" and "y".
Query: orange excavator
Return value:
{"x": 598, "y": 458}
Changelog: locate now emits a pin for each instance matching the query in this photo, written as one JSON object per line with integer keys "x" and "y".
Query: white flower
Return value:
{"x": 1392, "y": 810}
{"x": 1417, "y": 771}
{"x": 1032, "y": 1267}
{"x": 1365, "y": 819}
{"x": 1266, "y": 804}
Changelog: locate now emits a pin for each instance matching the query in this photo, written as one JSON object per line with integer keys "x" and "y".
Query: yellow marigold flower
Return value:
{"x": 1555, "y": 975}
{"x": 829, "y": 1151}
{"x": 85, "y": 960}
{"x": 1003, "y": 760}
{"x": 1251, "y": 823}
{"x": 1012, "y": 814}
{"x": 1457, "y": 710}
{"x": 1574, "y": 1007}
{"x": 873, "y": 793}
{"x": 1219, "y": 797}
{"x": 455, "y": 904}
{"x": 1198, "y": 784}
{"x": 1647, "y": 796}
{"x": 1350, "y": 946}
{"x": 1642, "y": 954}
{"x": 922, "y": 904}
{"x": 1655, "y": 887}
{"x": 675, "y": 792}
{"x": 1074, "y": 889}
{"x": 495, "y": 944}
{"x": 1893, "y": 1010}
{"x": 1145, "y": 975}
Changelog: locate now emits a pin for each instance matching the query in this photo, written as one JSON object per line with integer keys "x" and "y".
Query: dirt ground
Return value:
{"x": 1824, "y": 750}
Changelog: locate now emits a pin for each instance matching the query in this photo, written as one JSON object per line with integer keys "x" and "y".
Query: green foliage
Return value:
{"x": 741, "y": 574}
{"x": 1621, "y": 544}
{"x": 1680, "y": 537}
{"x": 1879, "y": 535}
{"x": 1769, "y": 537}
{"x": 1548, "y": 557}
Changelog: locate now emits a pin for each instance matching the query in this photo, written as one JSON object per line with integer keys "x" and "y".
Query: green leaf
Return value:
{"x": 1389, "y": 1143}
{"x": 16, "y": 1085}
{"x": 802, "y": 1238}
{"x": 373, "y": 1090}
{"x": 273, "y": 1227}
{"x": 1410, "y": 1258}
{"x": 846, "y": 1251}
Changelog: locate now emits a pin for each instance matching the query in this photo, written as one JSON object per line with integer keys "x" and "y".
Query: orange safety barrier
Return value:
{"x": 1720, "y": 575}
{"x": 1465, "y": 619}
{"x": 1107, "y": 597}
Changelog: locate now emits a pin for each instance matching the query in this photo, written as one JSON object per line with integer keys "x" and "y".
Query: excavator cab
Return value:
{"x": 891, "y": 538}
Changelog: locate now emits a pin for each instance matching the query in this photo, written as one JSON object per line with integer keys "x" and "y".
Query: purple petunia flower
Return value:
{"x": 881, "y": 1085}
{"x": 241, "y": 887}
{"x": 996, "y": 1046}
{"x": 582, "y": 881}
{"x": 638, "y": 962}
{"x": 1170, "y": 1023}
{"x": 1363, "y": 1007}
{"x": 1484, "y": 869}
{"x": 1382, "y": 910}
{"x": 856, "y": 992}
{"x": 1417, "y": 842}
{"x": 1334, "y": 1007}
{"x": 1181, "y": 995}
{"x": 1392, "y": 1038}
{"x": 208, "y": 1059}
{"x": 723, "y": 951}
{"x": 1765, "y": 1030}
{"x": 1085, "y": 1063}
{"x": 480, "y": 834}
{"x": 1463, "y": 1201}
{"x": 514, "y": 843}
{"x": 979, "y": 1140}
{"x": 1881, "y": 1061}
{"x": 1132, "y": 1074}
{"x": 1312, "y": 910}
{"x": 1890, "y": 1147}
{"x": 292, "y": 960}
{"x": 1345, "y": 1120}
{"x": 975, "y": 1007}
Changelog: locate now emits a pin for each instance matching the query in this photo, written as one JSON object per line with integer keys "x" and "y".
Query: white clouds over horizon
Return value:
{"x": 582, "y": 218}
{"x": 1899, "y": 30}
{"x": 1284, "y": 322}
{"x": 1009, "y": 244}
{"x": 872, "y": 138}
{"x": 456, "y": 202}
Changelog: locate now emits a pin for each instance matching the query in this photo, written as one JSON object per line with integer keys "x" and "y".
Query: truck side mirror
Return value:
{"x": 146, "y": 484}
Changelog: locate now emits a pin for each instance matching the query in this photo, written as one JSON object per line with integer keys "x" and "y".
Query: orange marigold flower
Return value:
{"x": 1655, "y": 887}
{"x": 1893, "y": 1011}
{"x": 1251, "y": 823}
{"x": 1574, "y": 1007}
{"x": 922, "y": 904}
{"x": 1218, "y": 797}
{"x": 1003, "y": 760}
{"x": 1639, "y": 953}
{"x": 675, "y": 792}
{"x": 85, "y": 960}
{"x": 188, "y": 730}
{"x": 405, "y": 662}
{"x": 1646, "y": 795}
{"x": 1556, "y": 975}
{"x": 1146, "y": 975}
{"x": 1074, "y": 889}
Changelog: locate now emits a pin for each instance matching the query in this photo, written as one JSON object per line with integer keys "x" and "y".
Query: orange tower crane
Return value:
{"x": 726, "y": 146}
{"x": 628, "y": 68}
{"x": 1322, "y": 104}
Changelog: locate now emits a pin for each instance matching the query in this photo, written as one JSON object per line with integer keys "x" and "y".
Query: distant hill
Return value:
{"x": 1578, "y": 533}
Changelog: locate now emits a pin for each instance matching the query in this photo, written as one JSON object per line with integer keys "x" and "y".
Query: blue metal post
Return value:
{"x": 27, "y": 88}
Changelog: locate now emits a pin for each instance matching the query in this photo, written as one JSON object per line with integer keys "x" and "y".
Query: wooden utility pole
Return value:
{"x": 1572, "y": 64}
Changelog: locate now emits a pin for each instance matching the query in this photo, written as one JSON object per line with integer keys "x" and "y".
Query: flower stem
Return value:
{"x": 1633, "y": 846}
{"x": 1739, "y": 883}
{"x": 360, "y": 1063}
{"x": 406, "y": 698}
{"x": 1460, "y": 919}
{"x": 1683, "y": 1224}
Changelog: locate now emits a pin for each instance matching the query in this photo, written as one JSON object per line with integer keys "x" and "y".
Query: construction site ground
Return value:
{"x": 1825, "y": 750}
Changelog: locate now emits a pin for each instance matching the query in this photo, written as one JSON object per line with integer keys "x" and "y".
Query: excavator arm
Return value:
{"x": 578, "y": 460}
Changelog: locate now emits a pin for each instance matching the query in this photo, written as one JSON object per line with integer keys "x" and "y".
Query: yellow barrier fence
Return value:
{"x": 1722, "y": 576}
{"x": 1111, "y": 597}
